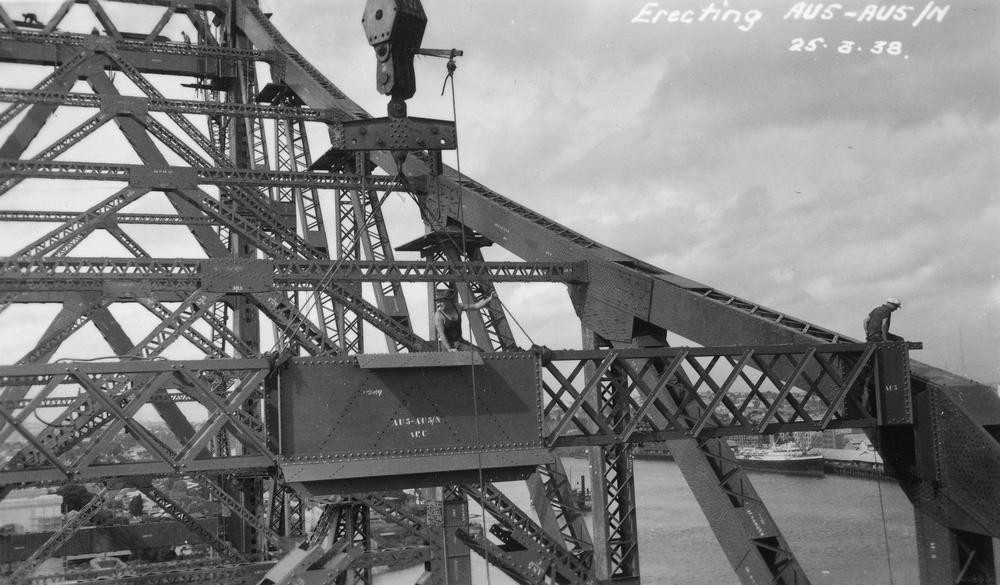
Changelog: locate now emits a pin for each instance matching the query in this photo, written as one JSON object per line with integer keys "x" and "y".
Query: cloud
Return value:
{"x": 816, "y": 183}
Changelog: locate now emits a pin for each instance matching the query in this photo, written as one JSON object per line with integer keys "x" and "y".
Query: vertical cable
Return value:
{"x": 881, "y": 503}
{"x": 458, "y": 156}
{"x": 472, "y": 365}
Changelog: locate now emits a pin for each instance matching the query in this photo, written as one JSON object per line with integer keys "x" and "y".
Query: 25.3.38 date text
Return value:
{"x": 844, "y": 47}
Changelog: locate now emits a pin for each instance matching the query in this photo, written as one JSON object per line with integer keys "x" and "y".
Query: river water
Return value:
{"x": 834, "y": 526}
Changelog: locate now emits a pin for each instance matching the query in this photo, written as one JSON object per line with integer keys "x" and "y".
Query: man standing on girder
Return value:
{"x": 877, "y": 329}
{"x": 877, "y": 322}
{"x": 448, "y": 319}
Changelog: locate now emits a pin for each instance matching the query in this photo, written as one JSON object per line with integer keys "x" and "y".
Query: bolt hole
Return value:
{"x": 378, "y": 14}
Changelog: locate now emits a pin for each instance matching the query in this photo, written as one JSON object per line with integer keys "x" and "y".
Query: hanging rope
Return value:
{"x": 472, "y": 367}
{"x": 452, "y": 66}
{"x": 510, "y": 313}
{"x": 881, "y": 503}
{"x": 479, "y": 459}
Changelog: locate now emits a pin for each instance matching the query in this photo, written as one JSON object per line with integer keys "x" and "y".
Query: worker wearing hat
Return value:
{"x": 877, "y": 322}
{"x": 448, "y": 319}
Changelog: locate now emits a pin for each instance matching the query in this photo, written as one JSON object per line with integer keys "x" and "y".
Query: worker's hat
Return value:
{"x": 442, "y": 294}
{"x": 894, "y": 301}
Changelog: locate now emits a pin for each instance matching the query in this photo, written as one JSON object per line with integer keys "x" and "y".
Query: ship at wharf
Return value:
{"x": 848, "y": 454}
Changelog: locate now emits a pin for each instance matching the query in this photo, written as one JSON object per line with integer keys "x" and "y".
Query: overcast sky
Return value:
{"x": 706, "y": 139}
{"x": 814, "y": 182}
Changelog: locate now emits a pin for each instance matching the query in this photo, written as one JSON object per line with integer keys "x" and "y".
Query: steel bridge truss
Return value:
{"x": 737, "y": 391}
{"x": 276, "y": 238}
{"x": 642, "y": 395}
{"x": 606, "y": 398}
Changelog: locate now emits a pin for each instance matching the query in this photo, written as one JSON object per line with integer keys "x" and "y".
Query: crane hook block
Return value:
{"x": 395, "y": 28}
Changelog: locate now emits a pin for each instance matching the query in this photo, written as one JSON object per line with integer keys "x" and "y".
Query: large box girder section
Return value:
{"x": 356, "y": 423}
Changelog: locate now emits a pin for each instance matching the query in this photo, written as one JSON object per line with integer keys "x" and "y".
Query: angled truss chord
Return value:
{"x": 127, "y": 241}
{"x": 191, "y": 310}
{"x": 852, "y": 377}
{"x": 554, "y": 501}
{"x": 547, "y": 551}
{"x": 84, "y": 420}
{"x": 720, "y": 394}
{"x": 211, "y": 347}
{"x": 205, "y": 36}
{"x": 146, "y": 149}
{"x": 74, "y": 136}
{"x": 58, "y": 83}
{"x": 581, "y": 399}
{"x": 294, "y": 325}
{"x": 222, "y": 413}
{"x": 40, "y": 448}
{"x": 82, "y": 224}
{"x": 27, "y": 407}
{"x": 102, "y": 17}
{"x": 233, "y": 504}
{"x": 785, "y": 388}
{"x": 77, "y": 310}
{"x": 225, "y": 177}
{"x": 86, "y": 514}
{"x": 154, "y": 104}
{"x": 162, "y": 22}
{"x": 224, "y": 57}
{"x": 749, "y": 548}
{"x": 170, "y": 507}
{"x": 150, "y": 90}
{"x": 5, "y": 19}
{"x": 653, "y": 395}
{"x": 122, "y": 411}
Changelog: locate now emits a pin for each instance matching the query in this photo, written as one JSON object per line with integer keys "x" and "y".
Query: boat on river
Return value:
{"x": 776, "y": 457}
{"x": 858, "y": 459}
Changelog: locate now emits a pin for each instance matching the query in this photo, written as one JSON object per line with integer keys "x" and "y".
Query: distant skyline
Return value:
{"x": 816, "y": 182}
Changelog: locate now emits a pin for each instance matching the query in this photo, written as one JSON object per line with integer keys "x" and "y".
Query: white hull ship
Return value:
{"x": 786, "y": 458}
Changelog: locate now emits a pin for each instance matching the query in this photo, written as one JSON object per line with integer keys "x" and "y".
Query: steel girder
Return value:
{"x": 50, "y": 546}
{"x": 81, "y": 419}
{"x": 202, "y": 381}
{"x": 173, "y": 106}
{"x": 620, "y": 290}
{"x": 529, "y": 554}
{"x": 112, "y": 403}
{"x": 165, "y": 503}
{"x": 623, "y": 291}
{"x": 558, "y": 509}
{"x": 119, "y": 218}
{"x": 96, "y": 55}
{"x": 706, "y": 392}
{"x": 24, "y": 274}
{"x": 374, "y": 242}
{"x": 657, "y": 392}
{"x": 175, "y": 177}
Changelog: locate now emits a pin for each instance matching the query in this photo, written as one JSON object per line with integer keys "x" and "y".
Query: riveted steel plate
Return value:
{"x": 423, "y": 359}
{"x": 341, "y": 421}
{"x": 163, "y": 178}
{"x": 894, "y": 396}
{"x": 237, "y": 275}
{"x": 979, "y": 402}
{"x": 398, "y": 134}
{"x": 964, "y": 462}
{"x": 620, "y": 287}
